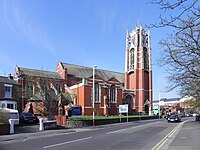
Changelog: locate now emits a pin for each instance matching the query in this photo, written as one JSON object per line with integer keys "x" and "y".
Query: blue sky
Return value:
{"x": 39, "y": 33}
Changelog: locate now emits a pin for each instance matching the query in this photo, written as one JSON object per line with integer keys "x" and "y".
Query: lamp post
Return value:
{"x": 93, "y": 94}
{"x": 159, "y": 105}
{"x": 159, "y": 100}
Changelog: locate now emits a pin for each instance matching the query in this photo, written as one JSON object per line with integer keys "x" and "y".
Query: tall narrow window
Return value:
{"x": 146, "y": 59}
{"x": 112, "y": 94}
{"x": 8, "y": 91}
{"x": 29, "y": 89}
{"x": 131, "y": 59}
{"x": 97, "y": 99}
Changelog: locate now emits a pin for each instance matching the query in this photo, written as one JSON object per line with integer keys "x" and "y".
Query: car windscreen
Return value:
{"x": 28, "y": 115}
{"x": 174, "y": 116}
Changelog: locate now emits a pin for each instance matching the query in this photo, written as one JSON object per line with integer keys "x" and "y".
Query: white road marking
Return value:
{"x": 131, "y": 128}
{"x": 67, "y": 142}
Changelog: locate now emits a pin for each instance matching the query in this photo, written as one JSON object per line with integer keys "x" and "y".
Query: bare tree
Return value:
{"x": 181, "y": 49}
{"x": 180, "y": 14}
{"x": 46, "y": 96}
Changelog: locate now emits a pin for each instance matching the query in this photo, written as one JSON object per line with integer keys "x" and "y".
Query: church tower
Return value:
{"x": 138, "y": 70}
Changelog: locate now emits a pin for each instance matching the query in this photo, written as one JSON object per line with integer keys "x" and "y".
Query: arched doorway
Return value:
{"x": 146, "y": 109}
{"x": 146, "y": 106}
{"x": 129, "y": 101}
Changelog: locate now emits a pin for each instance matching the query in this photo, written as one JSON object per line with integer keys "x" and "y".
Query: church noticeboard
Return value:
{"x": 123, "y": 108}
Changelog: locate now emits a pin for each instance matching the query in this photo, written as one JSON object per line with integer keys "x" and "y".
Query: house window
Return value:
{"x": 3, "y": 105}
{"x": 10, "y": 106}
{"x": 8, "y": 91}
{"x": 112, "y": 94}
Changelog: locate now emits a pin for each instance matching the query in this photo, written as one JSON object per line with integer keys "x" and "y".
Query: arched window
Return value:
{"x": 112, "y": 94}
{"x": 97, "y": 93}
{"x": 29, "y": 89}
{"x": 146, "y": 59}
{"x": 131, "y": 59}
{"x": 58, "y": 87}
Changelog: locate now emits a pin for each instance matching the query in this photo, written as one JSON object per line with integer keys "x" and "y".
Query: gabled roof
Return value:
{"x": 39, "y": 73}
{"x": 86, "y": 72}
{"x": 7, "y": 81}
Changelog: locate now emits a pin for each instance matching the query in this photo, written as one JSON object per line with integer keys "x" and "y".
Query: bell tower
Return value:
{"x": 138, "y": 69}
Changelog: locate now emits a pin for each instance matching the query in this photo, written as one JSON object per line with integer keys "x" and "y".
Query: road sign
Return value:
{"x": 123, "y": 108}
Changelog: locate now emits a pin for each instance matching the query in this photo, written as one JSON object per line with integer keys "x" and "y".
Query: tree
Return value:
{"x": 46, "y": 96}
{"x": 181, "y": 48}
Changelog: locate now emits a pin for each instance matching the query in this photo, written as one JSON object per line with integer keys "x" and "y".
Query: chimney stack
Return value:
{"x": 10, "y": 76}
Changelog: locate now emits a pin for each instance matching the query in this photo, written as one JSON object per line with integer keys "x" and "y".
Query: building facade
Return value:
{"x": 40, "y": 89}
{"x": 10, "y": 93}
{"x": 132, "y": 87}
{"x": 138, "y": 71}
{"x": 108, "y": 88}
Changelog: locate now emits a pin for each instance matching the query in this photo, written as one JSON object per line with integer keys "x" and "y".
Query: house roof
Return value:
{"x": 86, "y": 72}
{"x": 7, "y": 81}
{"x": 39, "y": 73}
{"x": 167, "y": 100}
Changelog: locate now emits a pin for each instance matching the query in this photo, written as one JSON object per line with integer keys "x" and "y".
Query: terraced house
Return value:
{"x": 10, "y": 93}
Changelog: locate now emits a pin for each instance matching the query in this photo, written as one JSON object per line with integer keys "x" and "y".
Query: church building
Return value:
{"x": 134, "y": 87}
{"x": 111, "y": 89}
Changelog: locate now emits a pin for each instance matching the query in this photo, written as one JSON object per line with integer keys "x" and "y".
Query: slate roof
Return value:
{"x": 7, "y": 81}
{"x": 86, "y": 72}
{"x": 39, "y": 73}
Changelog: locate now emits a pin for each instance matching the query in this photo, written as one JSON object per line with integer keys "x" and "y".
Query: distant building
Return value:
{"x": 172, "y": 105}
{"x": 10, "y": 93}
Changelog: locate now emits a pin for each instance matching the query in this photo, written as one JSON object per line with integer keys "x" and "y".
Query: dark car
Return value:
{"x": 26, "y": 117}
{"x": 174, "y": 118}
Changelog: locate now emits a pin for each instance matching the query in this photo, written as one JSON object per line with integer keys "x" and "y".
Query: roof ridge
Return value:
{"x": 37, "y": 70}
{"x": 91, "y": 68}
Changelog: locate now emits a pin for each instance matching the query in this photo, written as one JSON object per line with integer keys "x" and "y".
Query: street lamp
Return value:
{"x": 93, "y": 94}
{"x": 159, "y": 101}
{"x": 159, "y": 105}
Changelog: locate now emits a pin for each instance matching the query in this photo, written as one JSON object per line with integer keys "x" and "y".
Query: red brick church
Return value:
{"x": 134, "y": 87}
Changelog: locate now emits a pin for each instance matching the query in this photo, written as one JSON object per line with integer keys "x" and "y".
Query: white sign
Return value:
{"x": 123, "y": 108}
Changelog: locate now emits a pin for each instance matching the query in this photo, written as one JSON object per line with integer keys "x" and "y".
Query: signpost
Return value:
{"x": 123, "y": 109}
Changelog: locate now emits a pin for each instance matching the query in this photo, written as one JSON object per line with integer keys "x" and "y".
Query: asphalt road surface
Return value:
{"x": 140, "y": 135}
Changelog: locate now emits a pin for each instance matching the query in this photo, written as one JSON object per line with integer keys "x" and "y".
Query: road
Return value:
{"x": 144, "y": 135}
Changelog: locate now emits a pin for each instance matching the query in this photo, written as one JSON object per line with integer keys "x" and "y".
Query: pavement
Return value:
{"x": 32, "y": 131}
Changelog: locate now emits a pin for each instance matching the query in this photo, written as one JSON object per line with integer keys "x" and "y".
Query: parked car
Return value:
{"x": 174, "y": 118}
{"x": 26, "y": 117}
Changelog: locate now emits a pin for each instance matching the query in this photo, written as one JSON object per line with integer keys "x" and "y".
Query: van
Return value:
{"x": 13, "y": 114}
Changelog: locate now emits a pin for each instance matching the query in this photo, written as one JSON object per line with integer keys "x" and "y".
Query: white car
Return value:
{"x": 13, "y": 114}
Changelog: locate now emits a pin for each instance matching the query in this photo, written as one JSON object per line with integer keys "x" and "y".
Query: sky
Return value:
{"x": 38, "y": 34}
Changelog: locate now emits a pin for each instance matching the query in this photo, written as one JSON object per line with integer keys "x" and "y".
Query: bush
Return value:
{"x": 4, "y": 116}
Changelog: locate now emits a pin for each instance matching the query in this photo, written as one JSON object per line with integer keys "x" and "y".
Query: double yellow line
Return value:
{"x": 162, "y": 142}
